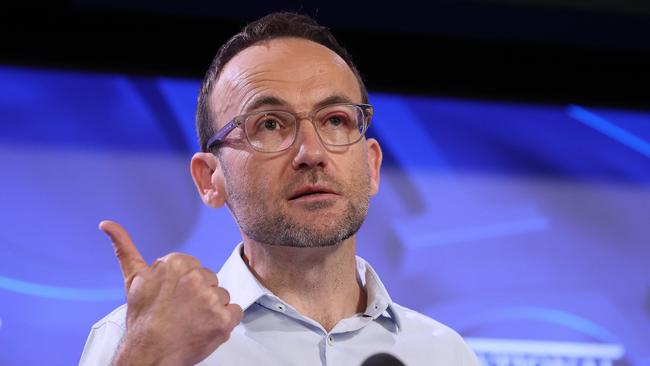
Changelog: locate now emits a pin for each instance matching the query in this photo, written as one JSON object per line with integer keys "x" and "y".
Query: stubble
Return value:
{"x": 266, "y": 221}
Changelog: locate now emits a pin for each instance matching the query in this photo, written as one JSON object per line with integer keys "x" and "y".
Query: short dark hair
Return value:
{"x": 275, "y": 25}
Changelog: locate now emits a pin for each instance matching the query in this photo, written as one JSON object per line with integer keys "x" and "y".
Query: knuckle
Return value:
{"x": 225, "y": 337}
{"x": 233, "y": 314}
{"x": 210, "y": 276}
{"x": 225, "y": 322}
{"x": 195, "y": 275}
{"x": 172, "y": 258}
{"x": 238, "y": 313}
{"x": 209, "y": 272}
{"x": 221, "y": 335}
{"x": 224, "y": 295}
{"x": 193, "y": 278}
{"x": 180, "y": 261}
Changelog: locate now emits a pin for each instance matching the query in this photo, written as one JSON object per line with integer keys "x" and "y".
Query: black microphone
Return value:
{"x": 382, "y": 359}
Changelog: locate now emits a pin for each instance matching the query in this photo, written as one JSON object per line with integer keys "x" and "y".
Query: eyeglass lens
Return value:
{"x": 336, "y": 125}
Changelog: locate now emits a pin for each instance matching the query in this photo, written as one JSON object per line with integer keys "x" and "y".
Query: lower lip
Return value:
{"x": 314, "y": 198}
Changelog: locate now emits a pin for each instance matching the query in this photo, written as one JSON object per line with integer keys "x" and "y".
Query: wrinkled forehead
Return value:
{"x": 299, "y": 71}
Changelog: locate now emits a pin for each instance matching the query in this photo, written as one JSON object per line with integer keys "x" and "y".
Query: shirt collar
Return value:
{"x": 236, "y": 277}
{"x": 245, "y": 289}
{"x": 379, "y": 302}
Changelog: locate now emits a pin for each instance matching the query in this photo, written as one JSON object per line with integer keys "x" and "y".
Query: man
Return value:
{"x": 281, "y": 119}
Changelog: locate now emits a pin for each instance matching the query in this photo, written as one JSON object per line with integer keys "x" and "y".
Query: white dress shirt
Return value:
{"x": 273, "y": 333}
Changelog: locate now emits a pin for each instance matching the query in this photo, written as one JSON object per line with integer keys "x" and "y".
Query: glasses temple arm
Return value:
{"x": 222, "y": 133}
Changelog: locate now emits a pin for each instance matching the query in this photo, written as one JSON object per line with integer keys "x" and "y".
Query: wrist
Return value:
{"x": 133, "y": 352}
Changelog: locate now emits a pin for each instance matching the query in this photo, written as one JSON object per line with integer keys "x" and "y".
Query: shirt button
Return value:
{"x": 330, "y": 340}
{"x": 281, "y": 307}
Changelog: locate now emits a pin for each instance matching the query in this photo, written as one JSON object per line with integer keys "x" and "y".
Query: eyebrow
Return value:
{"x": 269, "y": 100}
{"x": 263, "y": 101}
{"x": 333, "y": 99}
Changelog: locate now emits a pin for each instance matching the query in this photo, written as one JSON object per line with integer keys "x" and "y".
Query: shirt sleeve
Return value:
{"x": 469, "y": 357}
{"x": 102, "y": 344}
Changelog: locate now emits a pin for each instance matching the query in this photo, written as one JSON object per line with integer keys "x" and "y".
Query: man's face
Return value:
{"x": 309, "y": 195}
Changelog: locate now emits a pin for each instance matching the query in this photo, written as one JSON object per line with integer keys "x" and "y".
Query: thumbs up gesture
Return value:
{"x": 177, "y": 314}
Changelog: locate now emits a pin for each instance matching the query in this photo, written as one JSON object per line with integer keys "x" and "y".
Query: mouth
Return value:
{"x": 312, "y": 192}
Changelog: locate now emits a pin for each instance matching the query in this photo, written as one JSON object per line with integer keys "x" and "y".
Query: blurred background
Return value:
{"x": 515, "y": 188}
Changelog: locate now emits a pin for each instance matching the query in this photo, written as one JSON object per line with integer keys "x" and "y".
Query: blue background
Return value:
{"x": 503, "y": 220}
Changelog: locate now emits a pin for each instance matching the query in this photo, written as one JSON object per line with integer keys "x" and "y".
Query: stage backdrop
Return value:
{"x": 526, "y": 227}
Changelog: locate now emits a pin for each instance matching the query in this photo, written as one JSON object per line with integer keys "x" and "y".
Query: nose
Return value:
{"x": 309, "y": 150}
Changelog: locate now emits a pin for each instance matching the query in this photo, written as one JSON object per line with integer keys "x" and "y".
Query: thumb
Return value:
{"x": 127, "y": 254}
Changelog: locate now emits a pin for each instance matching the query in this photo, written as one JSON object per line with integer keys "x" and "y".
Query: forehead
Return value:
{"x": 299, "y": 71}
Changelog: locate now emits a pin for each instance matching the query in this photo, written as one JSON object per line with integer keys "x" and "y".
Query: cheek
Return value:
{"x": 359, "y": 160}
{"x": 362, "y": 170}
{"x": 352, "y": 171}
{"x": 237, "y": 178}
{"x": 253, "y": 179}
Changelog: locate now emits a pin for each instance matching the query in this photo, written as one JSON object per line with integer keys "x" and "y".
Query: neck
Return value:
{"x": 320, "y": 283}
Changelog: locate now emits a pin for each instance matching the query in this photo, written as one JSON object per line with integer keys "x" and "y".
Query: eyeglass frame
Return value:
{"x": 238, "y": 121}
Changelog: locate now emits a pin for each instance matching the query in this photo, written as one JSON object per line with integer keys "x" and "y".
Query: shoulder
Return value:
{"x": 116, "y": 318}
{"x": 104, "y": 338}
{"x": 412, "y": 320}
{"x": 440, "y": 339}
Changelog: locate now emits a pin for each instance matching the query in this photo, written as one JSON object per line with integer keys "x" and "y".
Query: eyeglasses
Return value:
{"x": 340, "y": 124}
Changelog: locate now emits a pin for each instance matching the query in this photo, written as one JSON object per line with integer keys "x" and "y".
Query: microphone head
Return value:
{"x": 382, "y": 359}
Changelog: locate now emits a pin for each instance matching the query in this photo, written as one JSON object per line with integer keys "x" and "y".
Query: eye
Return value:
{"x": 337, "y": 120}
{"x": 270, "y": 124}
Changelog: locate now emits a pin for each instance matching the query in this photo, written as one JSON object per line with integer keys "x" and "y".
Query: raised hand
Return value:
{"x": 177, "y": 314}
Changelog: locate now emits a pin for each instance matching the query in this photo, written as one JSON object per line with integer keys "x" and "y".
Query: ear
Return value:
{"x": 208, "y": 178}
{"x": 374, "y": 164}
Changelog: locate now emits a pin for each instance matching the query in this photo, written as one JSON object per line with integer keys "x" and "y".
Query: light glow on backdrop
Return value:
{"x": 523, "y": 226}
